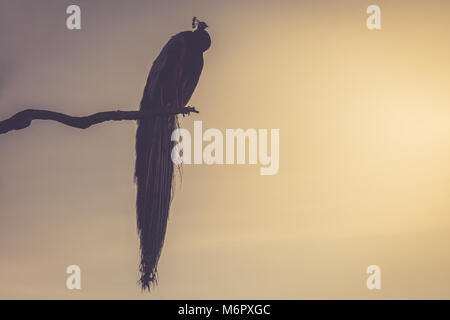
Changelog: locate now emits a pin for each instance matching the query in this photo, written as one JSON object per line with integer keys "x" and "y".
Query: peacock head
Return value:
{"x": 201, "y": 36}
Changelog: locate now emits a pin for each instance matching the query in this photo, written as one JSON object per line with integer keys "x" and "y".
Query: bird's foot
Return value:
{"x": 188, "y": 110}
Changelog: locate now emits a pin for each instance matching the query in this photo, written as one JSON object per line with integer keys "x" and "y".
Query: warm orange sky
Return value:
{"x": 364, "y": 150}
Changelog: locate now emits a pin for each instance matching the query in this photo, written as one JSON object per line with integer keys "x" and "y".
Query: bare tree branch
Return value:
{"x": 24, "y": 118}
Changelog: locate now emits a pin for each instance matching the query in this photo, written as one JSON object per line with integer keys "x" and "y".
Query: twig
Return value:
{"x": 24, "y": 118}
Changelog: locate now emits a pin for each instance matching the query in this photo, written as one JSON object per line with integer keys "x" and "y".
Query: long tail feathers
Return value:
{"x": 154, "y": 177}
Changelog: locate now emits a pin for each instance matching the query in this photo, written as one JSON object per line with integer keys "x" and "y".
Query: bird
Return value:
{"x": 170, "y": 85}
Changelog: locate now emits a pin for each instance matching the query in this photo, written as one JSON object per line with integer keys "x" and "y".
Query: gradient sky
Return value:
{"x": 364, "y": 150}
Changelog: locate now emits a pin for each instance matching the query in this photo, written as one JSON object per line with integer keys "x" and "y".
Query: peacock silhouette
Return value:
{"x": 172, "y": 80}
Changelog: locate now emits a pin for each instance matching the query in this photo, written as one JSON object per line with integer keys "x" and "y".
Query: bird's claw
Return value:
{"x": 190, "y": 110}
